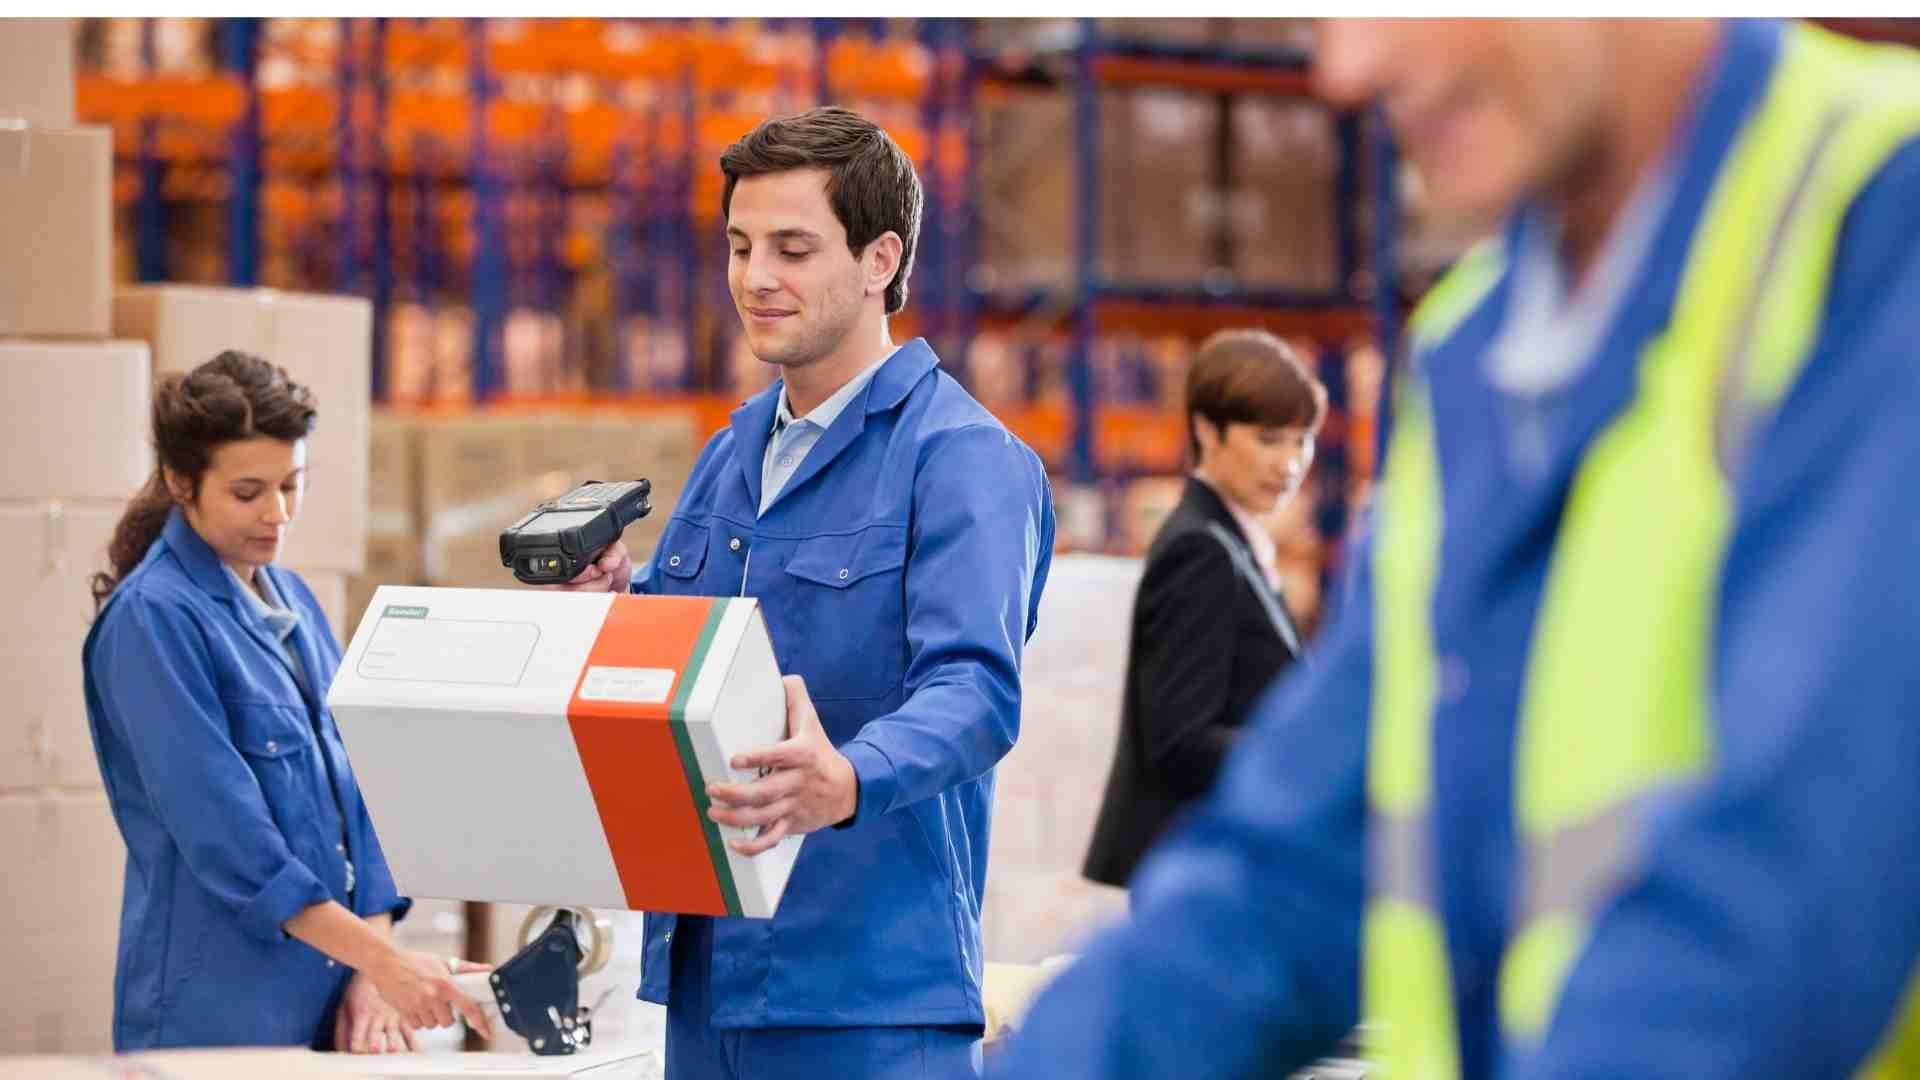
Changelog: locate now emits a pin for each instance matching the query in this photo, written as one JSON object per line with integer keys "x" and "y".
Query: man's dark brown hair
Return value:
{"x": 871, "y": 184}
{"x": 1251, "y": 377}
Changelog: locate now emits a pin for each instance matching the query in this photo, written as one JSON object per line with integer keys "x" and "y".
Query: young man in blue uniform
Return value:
{"x": 1607, "y": 768}
{"x": 898, "y": 538}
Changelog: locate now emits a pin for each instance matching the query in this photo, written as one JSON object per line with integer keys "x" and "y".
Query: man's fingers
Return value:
{"x": 781, "y": 755}
{"x": 406, "y": 1038}
{"x": 758, "y": 793}
{"x": 801, "y": 716}
{"x": 766, "y": 841}
{"x": 751, "y": 818}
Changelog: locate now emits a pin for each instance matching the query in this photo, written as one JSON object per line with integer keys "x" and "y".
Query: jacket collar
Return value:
{"x": 202, "y": 565}
{"x": 752, "y": 422}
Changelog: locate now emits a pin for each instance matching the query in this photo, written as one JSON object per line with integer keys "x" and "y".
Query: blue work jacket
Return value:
{"x": 900, "y": 570}
{"x": 231, "y": 787}
{"x": 1771, "y": 930}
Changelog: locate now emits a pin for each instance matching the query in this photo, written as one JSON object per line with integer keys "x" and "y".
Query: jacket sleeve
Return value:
{"x": 979, "y": 548}
{"x": 1182, "y": 661}
{"x": 1242, "y": 954}
{"x": 155, "y": 668}
{"x": 1774, "y": 926}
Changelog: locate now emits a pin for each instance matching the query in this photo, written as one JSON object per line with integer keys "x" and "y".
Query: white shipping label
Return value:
{"x": 644, "y": 685}
{"x": 475, "y": 652}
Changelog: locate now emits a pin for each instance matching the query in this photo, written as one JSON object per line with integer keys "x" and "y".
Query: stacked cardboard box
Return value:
{"x": 325, "y": 343}
{"x": 73, "y": 449}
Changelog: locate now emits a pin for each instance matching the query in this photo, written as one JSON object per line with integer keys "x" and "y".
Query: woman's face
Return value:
{"x": 248, "y": 499}
{"x": 1257, "y": 466}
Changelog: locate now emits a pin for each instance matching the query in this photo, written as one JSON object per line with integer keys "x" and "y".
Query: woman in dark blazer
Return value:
{"x": 1210, "y": 627}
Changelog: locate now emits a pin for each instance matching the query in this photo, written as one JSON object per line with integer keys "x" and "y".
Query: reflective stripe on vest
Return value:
{"x": 1601, "y": 744}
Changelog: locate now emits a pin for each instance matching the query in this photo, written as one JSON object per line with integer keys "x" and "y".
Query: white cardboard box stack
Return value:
{"x": 73, "y": 448}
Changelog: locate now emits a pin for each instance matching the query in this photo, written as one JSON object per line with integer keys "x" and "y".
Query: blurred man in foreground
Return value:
{"x": 1627, "y": 783}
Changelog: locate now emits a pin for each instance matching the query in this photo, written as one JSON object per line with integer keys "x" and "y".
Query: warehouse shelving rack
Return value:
{"x": 1366, "y": 300}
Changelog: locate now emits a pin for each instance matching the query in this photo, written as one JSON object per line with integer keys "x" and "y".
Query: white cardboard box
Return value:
{"x": 44, "y": 590}
{"x": 325, "y": 343}
{"x": 56, "y": 231}
{"x": 59, "y": 923}
{"x": 541, "y": 747}
{"x": 73, "y": 419}
{"x": 36, "y": 71}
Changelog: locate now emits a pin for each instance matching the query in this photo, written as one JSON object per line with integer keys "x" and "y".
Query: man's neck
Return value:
{"x": 810, "y": 384}
{"x": 1652, "y": 106}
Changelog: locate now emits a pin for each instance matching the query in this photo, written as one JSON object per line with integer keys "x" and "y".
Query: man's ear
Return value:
{"x": 881, "y": 261}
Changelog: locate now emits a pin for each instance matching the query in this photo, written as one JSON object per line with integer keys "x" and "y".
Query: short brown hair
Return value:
{"x": 871, "y": 184}
{"x": 1251, "y": 377}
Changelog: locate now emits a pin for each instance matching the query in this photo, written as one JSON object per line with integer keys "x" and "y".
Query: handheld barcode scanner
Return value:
{"x": 553, "y": 543}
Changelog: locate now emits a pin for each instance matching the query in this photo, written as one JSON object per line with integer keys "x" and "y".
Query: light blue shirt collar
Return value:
{"x": 825, "y": 413}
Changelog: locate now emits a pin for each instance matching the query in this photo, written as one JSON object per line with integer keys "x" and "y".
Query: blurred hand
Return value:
{"x": 809, "y": 785}
{"x": 612, "y": 571}
{"x": 420, "y": 988}
{"x": 366, "y": 1024}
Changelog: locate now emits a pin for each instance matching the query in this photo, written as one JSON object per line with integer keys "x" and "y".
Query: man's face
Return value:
{"x": 1488, "y": 110}
{"x": 796, "y": 285}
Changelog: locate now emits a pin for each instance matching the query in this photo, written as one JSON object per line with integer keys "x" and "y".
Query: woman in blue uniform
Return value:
{"x": 258, "y": 909}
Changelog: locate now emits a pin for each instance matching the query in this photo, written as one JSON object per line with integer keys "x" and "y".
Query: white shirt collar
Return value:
{"x": 825, "y": 413}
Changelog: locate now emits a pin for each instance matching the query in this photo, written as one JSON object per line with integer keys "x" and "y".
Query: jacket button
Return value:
{"x": 272, "y": 747}
{"x": 331, "y": 963}
{"x": 843, "y": 575}
{"x": 669, "y": 937}
{"x": 341, "y": 848}
{"x": 674, "y": 561}
{"x": 733, "y": 544}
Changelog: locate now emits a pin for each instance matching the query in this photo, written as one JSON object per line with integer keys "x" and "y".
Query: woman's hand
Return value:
{"x": 419, "y": 986}
{"x": 366, "y": 1024}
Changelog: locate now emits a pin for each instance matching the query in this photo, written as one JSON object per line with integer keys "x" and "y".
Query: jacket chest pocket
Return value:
{"x": 679, "y": 558}
{"x": 845, "y": 613}
{"x": 278, "y": 746}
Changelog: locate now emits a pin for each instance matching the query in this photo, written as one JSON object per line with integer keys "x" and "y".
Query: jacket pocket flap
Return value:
{"x": 840, "y": 560}
{"x": 683, "y": 549}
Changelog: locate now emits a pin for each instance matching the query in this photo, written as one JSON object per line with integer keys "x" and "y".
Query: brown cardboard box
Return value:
{"x": 56, "y": 215}
{"x": 330, "y": 588}
{"x": 1160, "y": 209}
{"x": 393, "y": 475}
{"x": 54, "y": 548}
{"x": 59, "y": 922}
{"x": 74, "y": 421}
{"x": 469, "y": 462}
{"x": 36, "y": 71}
{"x": 1286, "y": 162}
{"x": 1026, "y": 212}
{"x": 324, "y": 342}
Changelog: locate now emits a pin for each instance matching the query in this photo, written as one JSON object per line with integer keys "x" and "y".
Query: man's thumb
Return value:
{"x": 801, "y": 717}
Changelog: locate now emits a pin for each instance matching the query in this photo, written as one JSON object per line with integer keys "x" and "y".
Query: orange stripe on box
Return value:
{"x": 633, "y": 766}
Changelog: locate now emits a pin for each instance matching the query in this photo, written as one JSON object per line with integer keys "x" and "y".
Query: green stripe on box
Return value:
{"x": 696, "y": 782}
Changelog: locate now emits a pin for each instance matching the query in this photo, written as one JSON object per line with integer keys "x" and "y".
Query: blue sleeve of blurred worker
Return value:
{"x": 979, "y": 547}
{"x": 1781, "y": 896}
{"x": 1241, "y": 958}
